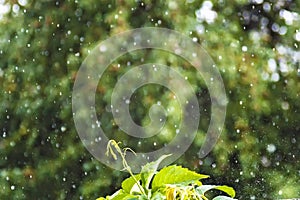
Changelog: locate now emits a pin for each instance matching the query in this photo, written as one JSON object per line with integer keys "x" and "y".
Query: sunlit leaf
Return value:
{"x": 176, "y": 175}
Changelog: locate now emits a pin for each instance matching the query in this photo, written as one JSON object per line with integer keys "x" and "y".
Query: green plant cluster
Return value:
{"x": 170, "y": 183}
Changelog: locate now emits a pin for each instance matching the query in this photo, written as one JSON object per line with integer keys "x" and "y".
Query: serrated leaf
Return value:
{"x": 175, "y": 175}
{"x": 128, "y": 183}
{"x": 149, "y": 170}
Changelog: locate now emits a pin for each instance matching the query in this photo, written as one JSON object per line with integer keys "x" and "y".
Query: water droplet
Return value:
{"x": 244, "y": 48}
{"x": 12, "y": 143}
{"x": 103, "y": 48}
{"x": 271, "y": 148}
{"x": 297, "y": 36}
{"x": 285, "y": 105}
{"x": 63, "y": 129}
{"x": 265, "y": 161}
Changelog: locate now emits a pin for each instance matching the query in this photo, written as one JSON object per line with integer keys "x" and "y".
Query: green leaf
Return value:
{"x": 149, "y": 170}
{"x": 223, "y": 198}
{"x": 128, "y": 183}
{"x": 158, "y": 196}
{"x": 228, "y": 190}
{"x": 175, "y": 175}
{"x": 136, "y": 189}
{"x": 142, "y": 197}
{"x": 204, "y": 188}
{"x": 120, "y": 195}
{"x": 123, "y": 196}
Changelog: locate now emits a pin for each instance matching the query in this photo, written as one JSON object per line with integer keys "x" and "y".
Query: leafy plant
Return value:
{"x": 170, "y": 183}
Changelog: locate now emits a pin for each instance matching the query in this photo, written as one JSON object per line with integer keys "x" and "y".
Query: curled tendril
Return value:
{"x": 110, "y": 151}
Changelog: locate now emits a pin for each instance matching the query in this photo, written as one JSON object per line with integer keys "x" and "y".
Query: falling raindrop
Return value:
{"x": 63, "y": 129}
{"x": 271, "y": 148}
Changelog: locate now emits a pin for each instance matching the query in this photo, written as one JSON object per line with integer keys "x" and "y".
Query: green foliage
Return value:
{"x": 170, "y": 183}
{"x": 183, "y": 175}
{"x": 43, "y": 44}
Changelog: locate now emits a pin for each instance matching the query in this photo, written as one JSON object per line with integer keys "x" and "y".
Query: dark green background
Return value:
{"x": 43, "y": 44}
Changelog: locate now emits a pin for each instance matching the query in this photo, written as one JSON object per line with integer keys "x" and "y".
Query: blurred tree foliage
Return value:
{"x": 255, "y": 44}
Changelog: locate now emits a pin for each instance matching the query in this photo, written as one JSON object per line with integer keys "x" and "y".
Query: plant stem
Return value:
{"x": 124, "y": 162}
